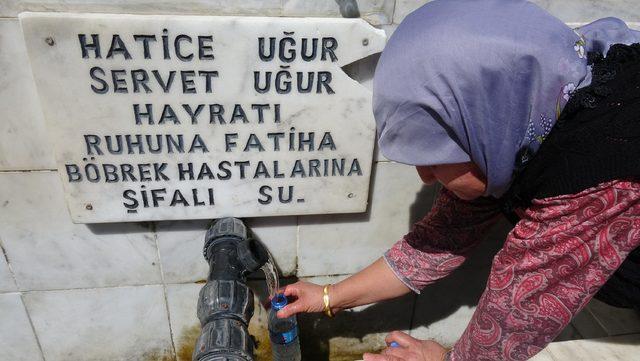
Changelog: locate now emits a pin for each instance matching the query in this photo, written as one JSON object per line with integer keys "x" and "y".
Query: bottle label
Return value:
{"x": 284, "y": 338}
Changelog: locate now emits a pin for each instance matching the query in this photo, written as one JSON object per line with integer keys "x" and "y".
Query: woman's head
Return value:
{"x": 463, "y": 179}
{"x": 467, "y": 81}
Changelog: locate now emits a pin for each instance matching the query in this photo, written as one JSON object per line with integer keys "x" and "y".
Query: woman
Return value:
{"x": 509, "y": 109}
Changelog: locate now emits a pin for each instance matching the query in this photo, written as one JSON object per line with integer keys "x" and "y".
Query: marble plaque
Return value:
{"x": 158, "y": 117}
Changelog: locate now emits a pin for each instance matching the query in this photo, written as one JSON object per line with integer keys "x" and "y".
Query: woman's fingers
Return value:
{"x": 307, "y": 297}
{"x": 408, "y": 349}
{"x": 292, "y": 290}
{"x": 401, "y": 338}
{"x": 400, "y": 353}
{"x": 300, "y": 302}
{"x": 289, "y": 310}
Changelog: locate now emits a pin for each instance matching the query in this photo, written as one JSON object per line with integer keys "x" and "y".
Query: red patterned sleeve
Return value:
{"x": 439, "y": 243}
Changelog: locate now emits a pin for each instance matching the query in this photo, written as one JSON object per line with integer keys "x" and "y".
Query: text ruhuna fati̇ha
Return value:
{"x": 126, "y": 144}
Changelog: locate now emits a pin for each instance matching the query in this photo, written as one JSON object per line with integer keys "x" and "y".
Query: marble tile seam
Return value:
{"x": 10, "y": 293}
{"x": 306, "y": 276}
{"x": 598, "y": 321}
{"x": 630, "y": 333}
{"x": 154, "y": 231}
{"x": 571, "y": 24}
{"x": 160, "y": 284}
{"x": 88, "y": 288}
{"x": 387, "y": 20}
{"x": 293, "y": 277}
{"x": 33, "y": 328}
{"x": 295, "y": 262}
{"x": 158, "y": 12}
{"x": 393, "y": 12}
{"x": 11, "y": 271}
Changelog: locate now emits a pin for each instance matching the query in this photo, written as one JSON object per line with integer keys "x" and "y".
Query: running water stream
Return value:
{"x": 283, "y": 332}
{"x": 271, "y": 276}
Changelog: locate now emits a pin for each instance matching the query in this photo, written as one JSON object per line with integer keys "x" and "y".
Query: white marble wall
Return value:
{"x": 569, "y": 11}
{"x": 397, "y": 200}
{"x": 115, "y": 323}
{"x": 24, "y": 143}
{"x": 48, "y": 252}
{"x": 128, "y": 291}
{"x": 17, "y": 339}
{"x": 375, "y": 11}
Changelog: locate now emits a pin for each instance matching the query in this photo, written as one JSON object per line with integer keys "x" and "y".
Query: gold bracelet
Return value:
{"x": 325, "y": 300}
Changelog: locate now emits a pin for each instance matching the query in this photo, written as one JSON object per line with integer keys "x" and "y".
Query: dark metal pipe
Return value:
{"x": 225, "y": 304}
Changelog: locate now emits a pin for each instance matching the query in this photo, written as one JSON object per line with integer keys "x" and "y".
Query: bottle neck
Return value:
{"x": 278, "y": 302}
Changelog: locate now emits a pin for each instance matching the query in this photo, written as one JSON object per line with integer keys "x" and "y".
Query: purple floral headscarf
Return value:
{"x": 479, "y": 80}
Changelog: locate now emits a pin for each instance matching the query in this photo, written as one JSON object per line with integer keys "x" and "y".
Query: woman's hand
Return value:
{"x": 375, "y": 283}
{"x": 409, "y": 349}
{"x": 307, "y": 297}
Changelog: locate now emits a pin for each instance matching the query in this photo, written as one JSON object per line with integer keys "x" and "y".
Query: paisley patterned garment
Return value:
{"x": 552, "y": 263}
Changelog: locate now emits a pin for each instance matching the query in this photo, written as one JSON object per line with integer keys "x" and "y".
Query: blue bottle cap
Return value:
{"x": 279, "y": 301}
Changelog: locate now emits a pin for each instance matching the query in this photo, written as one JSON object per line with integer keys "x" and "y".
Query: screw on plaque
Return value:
{"x": 350, "y": 195}
{"x": 49, "y": 40}
{"x": 365, "y": 42}
{"x": 89, "y": 206}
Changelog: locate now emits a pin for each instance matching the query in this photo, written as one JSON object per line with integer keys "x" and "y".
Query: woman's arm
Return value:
{"x": 441, "y": 242}
{"x": 558, "y": 256}
{"x": 375, "y": 283}
{"x": 436, "y": 246}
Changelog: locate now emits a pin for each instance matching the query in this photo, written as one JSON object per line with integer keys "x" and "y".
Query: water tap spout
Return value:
{"x": 225, "y": 303}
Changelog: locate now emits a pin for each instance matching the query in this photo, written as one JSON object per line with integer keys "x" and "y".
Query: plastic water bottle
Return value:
{"x": 283, "y": 332}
